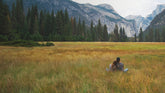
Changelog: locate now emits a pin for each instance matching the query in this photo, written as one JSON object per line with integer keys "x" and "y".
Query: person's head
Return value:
{"x": 118, "y": 59}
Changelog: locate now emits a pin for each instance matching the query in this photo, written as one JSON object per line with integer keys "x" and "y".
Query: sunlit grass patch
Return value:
{"x": 79, "y": 67}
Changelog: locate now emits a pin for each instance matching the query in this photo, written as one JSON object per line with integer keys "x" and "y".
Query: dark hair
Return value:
{"x": 115, "y": 63}
{"x": 118, "y": 59}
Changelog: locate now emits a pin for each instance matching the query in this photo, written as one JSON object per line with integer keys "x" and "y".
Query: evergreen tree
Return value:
{"x": 74, "y": 25}
{"x": 66, "y": 16}
{"x": 99, "y": 31}
{"x": 36, "y": 26}
{"x": 67, "y": 26}
{"x": 31, "y": 20}
{"x": 41, "y": 23}
{"x": 116, "y": 34}
{"x": 121, "y": 35}
{"x": 14, "y": 33}
{"x": 68, "y": 33}
{"x": 124, "y": 35}
{"x": 48, "y": 26}
{"x": 141, "y": 35}
{"x": 13, "y": 16}
{"x": 79, "y": 27}
{"x": 96, "y": 33}
{"x": 59, "y": 23}
{"x": 157, "y": 35}
{"x": 112, "y": 37}
{"x": 163, "y": 34}
{"x": 147, "y": 37}
{"x": 28, "y": 15}
{"x": 92, "y": 31}
{"x": 83, "y": 29}
{"x": 25, "y": 35}
{"x": 5, "y": 22}
{"x": 20, "y": 17}
{"x": 135, "y": 37}
{"x": 151, "y": 35}
{"x": 105, "y": 33}
{"x": 52, "y": 23}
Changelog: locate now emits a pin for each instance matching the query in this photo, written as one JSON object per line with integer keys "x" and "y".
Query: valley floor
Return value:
{"x": 79, "y": 67}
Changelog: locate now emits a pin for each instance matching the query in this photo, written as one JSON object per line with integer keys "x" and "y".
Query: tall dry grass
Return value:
{"x": 76, "y": 67}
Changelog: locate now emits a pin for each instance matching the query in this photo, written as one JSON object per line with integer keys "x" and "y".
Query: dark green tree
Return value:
{"x": 157, "y": 35}
{"x": 124, "y": 35}
{"x": 92, "y": 31}
{"x": 151, "y": 35}
{"x": 20, "y": 17}
{"x": 105, "y": 34}
{"x": 116, "y": 34}
{"x": 66, "y": 16}
{"x": 74, "y": 26}
{"x": 83, "y": 29}
{"x": 99, "y": 31}
{"x": 36, "y": 26}
{"x": 5, "y": 22}
{"x": 41, "y": 23}
{"x": 141, "y": 35}
{"x": 13, "y": 16}
{"x": 135, "y": 37}
{"x": 163, "y": 34}
{"x": 121, "y": 35}
{"x": 79, "y": 30}
{"x": 59, "y": 23}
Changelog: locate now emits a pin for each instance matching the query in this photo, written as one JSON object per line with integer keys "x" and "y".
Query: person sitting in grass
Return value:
{"x": 117, "y": 66}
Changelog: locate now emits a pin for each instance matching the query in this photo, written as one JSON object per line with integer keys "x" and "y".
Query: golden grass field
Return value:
{"x": 79, "y": 67}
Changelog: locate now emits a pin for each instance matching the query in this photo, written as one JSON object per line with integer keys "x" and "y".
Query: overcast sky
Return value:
{"x": 128, "y": 7}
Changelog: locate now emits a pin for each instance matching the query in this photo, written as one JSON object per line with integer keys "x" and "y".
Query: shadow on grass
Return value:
{"x": 24, "y": 43}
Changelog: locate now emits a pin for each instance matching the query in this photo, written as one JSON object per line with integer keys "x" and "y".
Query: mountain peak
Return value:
{"x": 144, "y": 22}
{"x": 130, "y": 17}
{"x": 158, "y": 10}
{"x": 106, "y": 6}
{"x": 160, "y": 5}
{"x": 158, "y": 21}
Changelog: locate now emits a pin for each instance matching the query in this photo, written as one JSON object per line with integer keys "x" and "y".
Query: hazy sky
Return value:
{"x": 128, "y": 7}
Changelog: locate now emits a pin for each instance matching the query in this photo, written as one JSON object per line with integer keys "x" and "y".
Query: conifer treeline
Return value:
{"x": 152, "y": 35}
{"x": 118, "y": 35}
{"x": 44, "y": 26}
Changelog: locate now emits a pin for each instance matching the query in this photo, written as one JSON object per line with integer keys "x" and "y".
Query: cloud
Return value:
{"x": 128, "y": 7}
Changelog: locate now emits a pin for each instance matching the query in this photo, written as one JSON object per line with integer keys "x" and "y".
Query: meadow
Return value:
{"x": 79, "y": 67}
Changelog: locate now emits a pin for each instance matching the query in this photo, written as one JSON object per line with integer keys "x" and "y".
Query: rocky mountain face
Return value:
{"x": 158, "y": 21}
{"x": 140, "y": 21}
{"x": 144, "y": 22}
{"x": 86, "y": 12}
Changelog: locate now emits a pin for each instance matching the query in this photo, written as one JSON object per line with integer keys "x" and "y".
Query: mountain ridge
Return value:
{"x": 144, "y": 22}
{"x": 87, "y": 12}
{"x": 158, "y": 21}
